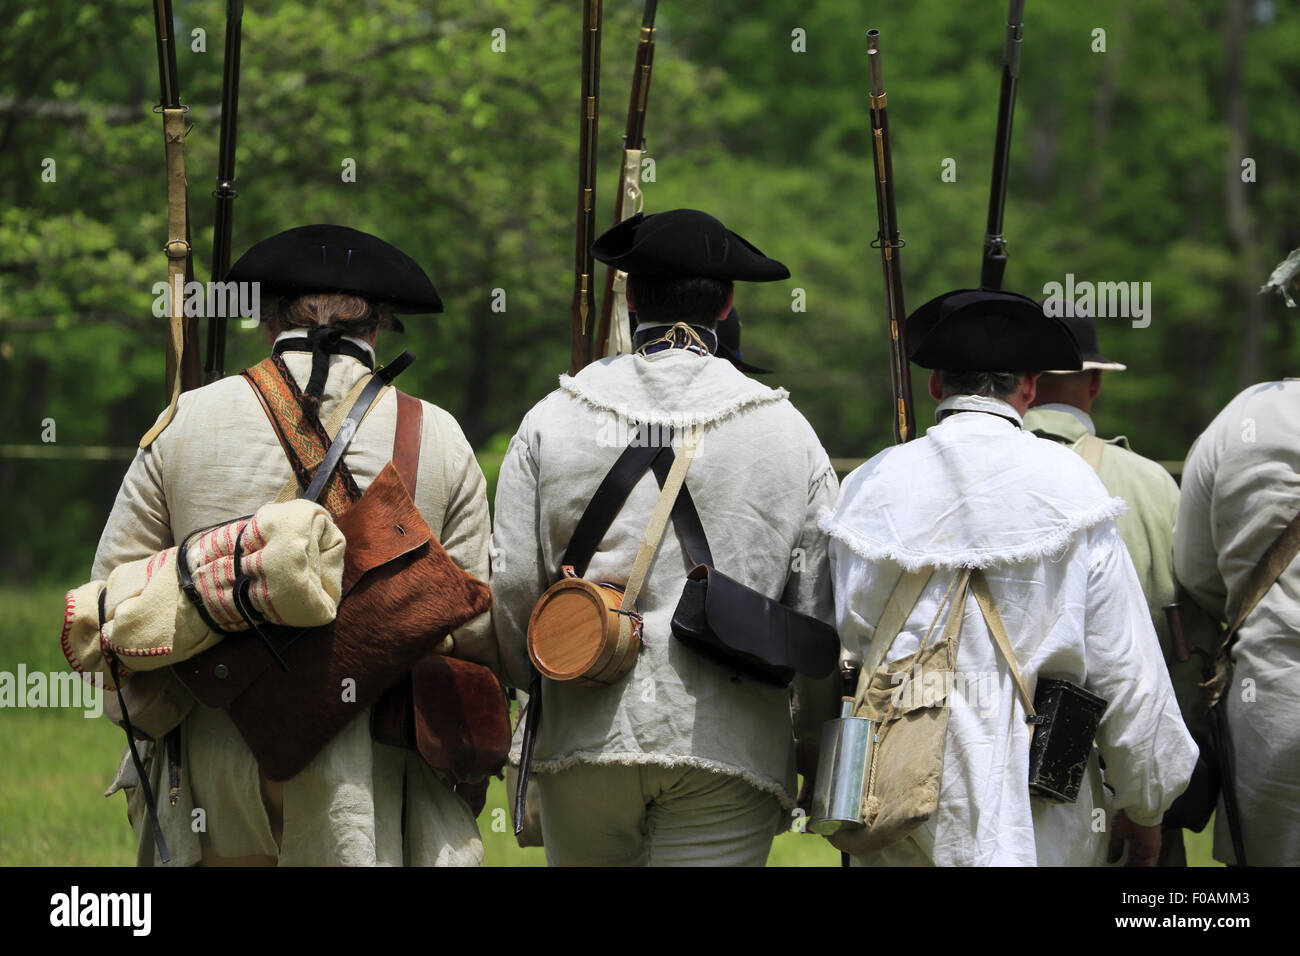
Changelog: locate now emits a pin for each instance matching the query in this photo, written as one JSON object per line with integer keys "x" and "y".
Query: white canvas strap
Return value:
{"x": 654, "y": 532}
{"x": 984, "y": 597}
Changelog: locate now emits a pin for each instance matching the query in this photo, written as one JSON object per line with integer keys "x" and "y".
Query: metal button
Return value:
{"x": 221, "y": 671}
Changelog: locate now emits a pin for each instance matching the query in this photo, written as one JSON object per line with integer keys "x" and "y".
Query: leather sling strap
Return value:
{"x": 178, "y": 251}
{"x": 291, "y": 487}
{"x": 334, "y": 456}
{"x": 612, "y": 494}
{"x": 1275, "y": 559}
{"x": 149, "y": 804}
{"x": 605, "y": 505}
{"x": 1090, "y": 448}
{"x": 406, "y": 440}
{"x": 532, "y": 724}
{"x": 301, "y": 433}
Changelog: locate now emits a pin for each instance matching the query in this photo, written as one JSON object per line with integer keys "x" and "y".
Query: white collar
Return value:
{"x": 942, "y": 500}
{"x": 1084, "y": 418}
{"x": 302, "y": 334}
{"x": 674, "y": 387}
{"x": 976, "y": 403}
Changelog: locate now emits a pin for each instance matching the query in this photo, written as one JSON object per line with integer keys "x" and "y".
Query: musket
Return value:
{"x": 225, "y": 193}
{"x": 627, "y": 201}
{"x": 182, "y": 364}
{"x": 995, "y": 246}
{"x": 584, "y": 293}
{"x": 889, "y": 244}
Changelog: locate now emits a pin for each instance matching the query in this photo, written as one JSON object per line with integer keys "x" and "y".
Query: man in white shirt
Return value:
{"x": 980, "y": 492}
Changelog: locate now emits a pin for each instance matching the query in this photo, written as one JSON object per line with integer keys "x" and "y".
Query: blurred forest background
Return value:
{"x": 1126, "y": 166}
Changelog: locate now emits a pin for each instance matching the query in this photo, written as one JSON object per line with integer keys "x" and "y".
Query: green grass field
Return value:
{"x": 58, "y": 762}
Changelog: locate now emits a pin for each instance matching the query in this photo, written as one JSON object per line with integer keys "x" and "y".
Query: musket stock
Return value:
{"x": 889, "y": 244}
{"x": 994, "y": 262}
{"x": 584, "y": 298}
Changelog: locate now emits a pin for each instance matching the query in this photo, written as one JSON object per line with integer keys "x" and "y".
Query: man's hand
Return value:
{"x": 1143, "y": 842}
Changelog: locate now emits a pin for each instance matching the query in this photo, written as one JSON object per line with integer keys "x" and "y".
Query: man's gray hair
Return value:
{"x": 987, "y": 384}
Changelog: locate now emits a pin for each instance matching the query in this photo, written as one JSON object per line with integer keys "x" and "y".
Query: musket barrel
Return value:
{"x": 166, "y": 53}
{"x": 889, "y": 243}
{"x": 873, "y": 58}
{"x": 225, "y": 193}
{"x": 584, "y": 264}
{"x": 995, "y": 258}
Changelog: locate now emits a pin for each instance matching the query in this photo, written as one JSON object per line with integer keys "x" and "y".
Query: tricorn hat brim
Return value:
{"x": 987, "y": 331}
{"x": 325, "y": 258}
{"x": 684, "y": 243}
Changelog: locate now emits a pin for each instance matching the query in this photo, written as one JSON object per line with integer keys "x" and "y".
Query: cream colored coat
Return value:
{"x": 759, "y": 481}
{"x": 1241, "y": 486}
{"x": 220, "y": 459}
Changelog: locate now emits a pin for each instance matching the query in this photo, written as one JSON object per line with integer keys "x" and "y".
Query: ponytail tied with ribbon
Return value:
{"x": 324, "y": 341}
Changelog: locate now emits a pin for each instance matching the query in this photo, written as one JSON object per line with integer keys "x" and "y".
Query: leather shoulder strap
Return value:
{"x": 685, "y": 518}
{"x": 1263, "y": 576}
{"x": 300, "y": 432}
{"x": 406, "y": 440}
{"x": 605, "y": 505}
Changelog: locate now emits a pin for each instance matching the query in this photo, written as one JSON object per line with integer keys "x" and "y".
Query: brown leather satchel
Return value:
{"x": 402, "y": 595}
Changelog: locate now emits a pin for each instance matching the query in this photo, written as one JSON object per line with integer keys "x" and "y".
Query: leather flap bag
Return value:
{"x": 749, "y": 632}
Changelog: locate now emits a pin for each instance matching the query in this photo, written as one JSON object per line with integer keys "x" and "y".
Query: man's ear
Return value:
{"x": 936, "y": 387}
{"x": 1094, "y": 382}
{"x": 1029, "y": 387}
{"x": 726, "y": 308}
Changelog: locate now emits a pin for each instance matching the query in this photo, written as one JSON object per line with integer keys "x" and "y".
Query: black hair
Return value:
{"x": 695, "y": 299}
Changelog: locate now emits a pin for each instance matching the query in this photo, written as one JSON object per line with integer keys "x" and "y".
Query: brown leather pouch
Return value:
{"x": 402, "y": 596}
{"x": 455, "y": 715}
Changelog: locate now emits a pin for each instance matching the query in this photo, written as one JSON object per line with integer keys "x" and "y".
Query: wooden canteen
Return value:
{"x": 576, "y": 633}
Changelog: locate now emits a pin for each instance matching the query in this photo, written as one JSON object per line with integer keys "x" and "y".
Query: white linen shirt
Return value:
{"x": 759, "y": 481}
{"x": 978, "y": 492}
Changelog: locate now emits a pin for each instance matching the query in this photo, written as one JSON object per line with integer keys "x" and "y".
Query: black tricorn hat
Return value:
{"x": 987, "y": 331}
{"x": 729, "y": 344}
{"x": 684, "y": 242}
{"x": 328, "y": 258}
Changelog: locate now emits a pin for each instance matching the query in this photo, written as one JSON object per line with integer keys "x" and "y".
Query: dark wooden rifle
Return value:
{"x": 889, "y": 244}
{"x": 995, "y": 246}
{"x": 584, "y": 293}
{"x": 225, "y": 193}
{"x": 626, "y": 200}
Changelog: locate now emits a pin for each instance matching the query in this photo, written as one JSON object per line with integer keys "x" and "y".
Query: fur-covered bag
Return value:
{"x": 402, "y": 595}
